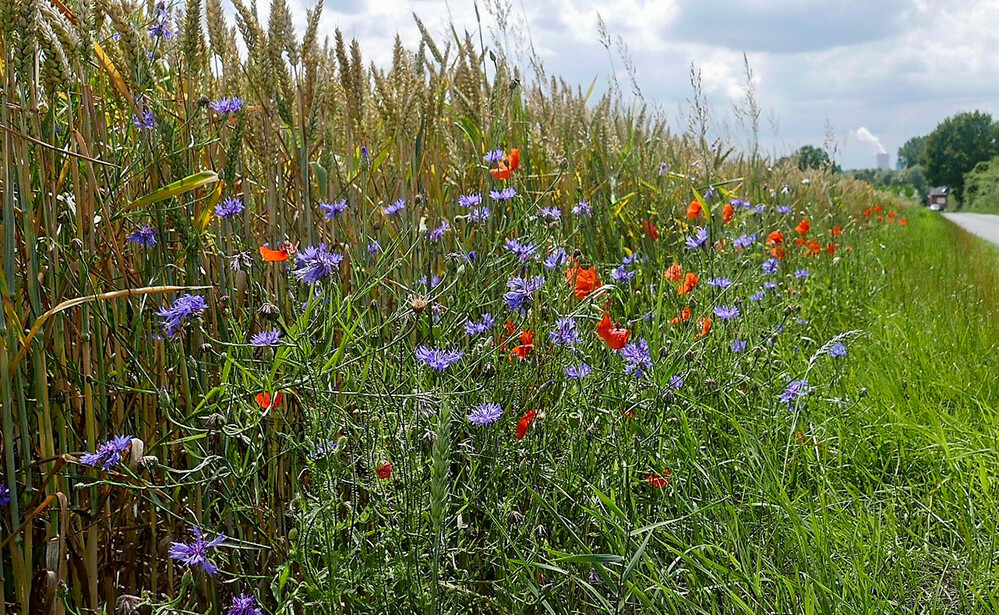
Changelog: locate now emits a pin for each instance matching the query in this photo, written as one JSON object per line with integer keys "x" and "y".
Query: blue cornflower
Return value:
{"x": 323, "y": 450}
{"x": 620, "y": 274}
{"x": 374, "y": 247}
{"x": 477, "y": 328}
{"x": 145, "y": 236}
{"x": 738, "y": 346}
{"x": 437, "y": 359}
{"x": 757, "y": 297}
{"x": 470, "y": 200}
{"x": 551, "y": 213}
{"x": 801, "y": 273}
{"x": 770, "y": 285}
{"x": 485, "y": 414}
{"x": 196, "y": 553}
{"x": 796, "y": 389}
{"x": 265, "y": 338}
{"x": 364, "y": 155}
{"x": 744, "y": 241}
{"x": 721, "y": 283}
{"x": 227, "y": 106}
{"x": 727, "y": 312}
{"x": 627, "y": 260}
{"x": 637, "y": 358}
{"x": 437, "y": 234}
{"x": 183, "y": 308}
{"x": 743, "y": 203}
{"x": 503, "y": 195}
{"x": 663, "y": 168}
{"x": 244, "y": 604}
{"x": 565, "y": 332}
{"x": 676, "y": 383}
{"x": 556, "y": 259}
{"x": 161, "y": 28}
{"x": 229, "y": 208}
{"x": 783, "y": 209}
{"x": 4, "y": 495}
{"x": 520, "y": 295}
{"x": 698, "y": 240}
{"x": 837, "y": 350}
{"x": 578, "y": 372}
{"x": 145, "y": 122}
{"x": 316, "y": 263}
{"x": 478, "y": 215}
{"x": 711, "y": 193}
{"x": 333, "y": 209}
{"x": 494, "y": 156}
{"x": 432, "y": 283}
{"x": 522, "y": 251}
{"x": 582, "y": 208}
{"x": 108, "y": 454}
{"x": 771, "y": 266}
{"x": 759, "y": 209}
{"x": 394, "y": 208}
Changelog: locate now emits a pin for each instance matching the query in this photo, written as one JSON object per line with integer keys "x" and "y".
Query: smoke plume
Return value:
{"x": 868, "y": 137}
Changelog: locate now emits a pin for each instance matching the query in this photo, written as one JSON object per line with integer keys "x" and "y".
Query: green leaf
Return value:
{"x": 181, "y": 186}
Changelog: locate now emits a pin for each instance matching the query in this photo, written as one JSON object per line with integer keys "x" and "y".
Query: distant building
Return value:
{"x": 938, "y": 197}
{"x": 883, "y": 162}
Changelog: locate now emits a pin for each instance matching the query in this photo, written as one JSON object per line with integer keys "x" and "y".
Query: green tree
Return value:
{"x": 811, "y": 157}
{"x": 908, "y": 154}
{"x": 981, "y": 187}
{"x": 956, "y": 146}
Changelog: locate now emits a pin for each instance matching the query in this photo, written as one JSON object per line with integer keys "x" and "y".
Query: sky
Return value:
{"x": 861, "y": 76}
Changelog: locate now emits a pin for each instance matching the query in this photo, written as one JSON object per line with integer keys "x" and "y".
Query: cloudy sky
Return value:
{"x": 870, "y": 72}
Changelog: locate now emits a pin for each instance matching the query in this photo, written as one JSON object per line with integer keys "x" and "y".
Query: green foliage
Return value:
{"x": 811, "y": 157}
{"x": 908, "y": 183}
{"x": 956, "y": 145}
{"x": 981, "y": 188}
{"x": 911, "y": 151}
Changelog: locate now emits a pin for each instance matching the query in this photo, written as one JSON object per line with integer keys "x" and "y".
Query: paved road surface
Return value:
{"x": 985, "y": 226}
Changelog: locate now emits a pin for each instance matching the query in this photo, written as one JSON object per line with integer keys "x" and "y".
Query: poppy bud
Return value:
{"x": 269, "y": 311}
{"x": 863, "y": 392}
{"x": 293, "y": 534}
{"x": 577, "y": 254}
{"x": 689, "y": 356}
{"x": 149, "y": 462}
{"x": 127, "y": 605}
{"x": 203, "y": 102}
{"x": 76, "y": 244}
{"x": 383, "y": 469}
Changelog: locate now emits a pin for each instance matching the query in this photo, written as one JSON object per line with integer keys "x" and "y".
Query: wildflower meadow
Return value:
{"x": 284, "y": 331}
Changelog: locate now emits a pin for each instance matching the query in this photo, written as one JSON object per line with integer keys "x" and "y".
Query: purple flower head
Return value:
{"x": 796, "y": 389}
{"x": 432, "y": 283}
{"x": 785, "y": 188}
{"x": 757, "y": 297}
{"x": 195, "y": 553}
{"x": 364, "y": 155}
{"x": 770, "y": 285}
{"x": 783, "y": 209}
{"x": 771, "y": 266}
{"x": 470, "y": 200}
{"x": 316, "y": 263}
{"x": 394, "y": 208}
{"x": 108, "y": 454}
{"x": 627, "y": 260}
{"x": 478, "y": 215}
{"x": 494, "y": 156}
{"x": 743, "y": 203}
{"x": 473, "y": 328}
{"x": 229, "y": 208}
{"x": 578, "y": 372}
{"x": 145, "y": 236}
{"x": 522, "y": 251}
{"x": 582, "y": 208}
{"x": 556, "y": 259}
{"x": 676, "y": 383}
{"x": 161, "y": 28}
{"x": 663, "y": 168}
{"x": 698, "y": 240}
{"x": 485, "y": 414}
{"x": 738, "y": 346}
{"x": 721, "y": 283}
{"x": 711, "y": 193}
{"x": 265, "y": 338}
{"x": 244, "y": 604}
{"x": 726, "y": 312}
{"x": 227, "y": 106}
{"x": 145, "y": 122}
{"x": 374, "y": 248}
{"x": 437, "y": 234}
{"x": 551, "y": 213}
{"x": 759, "y": 209}
{"x": 437, "y": 359}
{"x": 637, "y": 358}
{"x": 620, "y": 274}
{"x": 565, "y": 332}
{"x": 520, "y": 295}
{"x": 744, "y": 241}
{"x": 503, "y": 195}
{"x": 183, "y": 308}
{"x": 333, "y": 209}
{"x": 801, "y": 273}
{"x": 4, "y": 495}
{"x": 837, "y": 350}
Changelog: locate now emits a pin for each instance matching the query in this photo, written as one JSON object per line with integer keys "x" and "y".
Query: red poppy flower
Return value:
{"x": 525, "y": 422}
{"x": 500, "y": 172}
{"x": 812, "y": 247}
{"x": 878, "y": 208}
{"x": 836, "y": 230}
{"x": 650, "y": 230}
{"x": 775, "y": 238}
{"x": 689, "y": 283}
{"x": 383, "y": 469}
{"x": 584, "y": 281}
{"x": 526, "y": 346}
{"x": 705, "y": 325}
{"x": 514, "y": 158}
{"x": 803, "y": 227}
{"x": 694, "y": 209}
{"x": 800, "y": 241}
{"x": 264, "y": 400}
{"x": 881, "y": 218}
{"x": 674, "y": 273}
{"x": 831, "y": 248}
{"x": 727, "y": 212}
{"x": 614, "y": 337}
{"x": 684, "y": 316}
{"x": 658, "y": 481}
{"x": 272, "y": 256}
{"x": 903, "y": 222}
{"x": 778, "y": 252}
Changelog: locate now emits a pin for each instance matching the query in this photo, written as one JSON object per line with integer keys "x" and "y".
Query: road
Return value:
{"x": 985, "y": 226}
